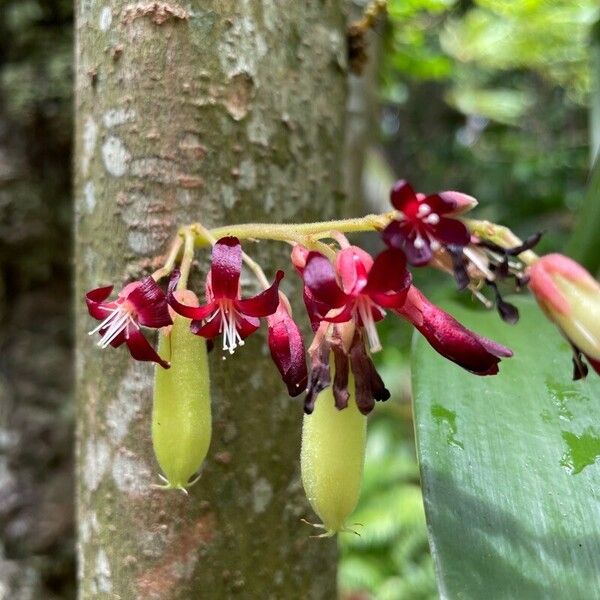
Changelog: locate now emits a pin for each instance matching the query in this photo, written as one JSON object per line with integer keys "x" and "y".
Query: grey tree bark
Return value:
{"x": 220, "y": 111}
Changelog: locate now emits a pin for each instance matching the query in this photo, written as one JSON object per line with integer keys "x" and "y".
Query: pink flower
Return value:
{"x": 138, "y": 303}
{"x": 570, "y": 297}
{"x": 287, "y": 349}
{"x": 473, "y": 352}
{"x": 425, "y": 226}
{"x": 352, "y": 296}
{"x": 358, "y": 288}
{"x": 225, "y": 312}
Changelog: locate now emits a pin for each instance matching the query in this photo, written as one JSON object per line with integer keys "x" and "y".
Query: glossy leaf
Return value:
{"x": 510, "y": 466}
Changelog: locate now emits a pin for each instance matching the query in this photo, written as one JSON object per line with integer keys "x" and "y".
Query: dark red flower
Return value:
{"x": 314, "y": 308}
{"x": 287, "y": 350}
{"x": 365, "y": 289}
{"x": 138, "y": 303}
{"x": 424, "y": 226}
{"x": 473, "y": 352}
{"x": 225, "y": 312}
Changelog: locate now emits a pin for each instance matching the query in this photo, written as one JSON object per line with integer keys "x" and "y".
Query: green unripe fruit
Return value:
{"x": 332, "y": 458}
{"x": 181, "y": 419}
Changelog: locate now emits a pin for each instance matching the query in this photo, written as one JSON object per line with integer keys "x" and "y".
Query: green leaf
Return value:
{"x": 510, "y": 466}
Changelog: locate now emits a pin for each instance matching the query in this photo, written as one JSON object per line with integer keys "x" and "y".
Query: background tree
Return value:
{"x": 220, "y": 112}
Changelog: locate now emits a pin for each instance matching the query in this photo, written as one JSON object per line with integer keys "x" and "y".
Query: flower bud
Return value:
{"x": 570, "y": 297}
{"x": 286, "y": 345}
{"x": 462, "y": 202}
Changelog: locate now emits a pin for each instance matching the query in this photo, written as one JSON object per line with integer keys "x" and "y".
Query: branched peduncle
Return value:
{"x": 311, "y": 235}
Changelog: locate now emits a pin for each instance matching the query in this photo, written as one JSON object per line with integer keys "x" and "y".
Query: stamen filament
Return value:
{"x": 364, "y": 310}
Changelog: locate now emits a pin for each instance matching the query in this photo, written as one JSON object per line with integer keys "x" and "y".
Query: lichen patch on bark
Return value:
{"x": 239, "y": 92}
{"x": 157, "y": 12}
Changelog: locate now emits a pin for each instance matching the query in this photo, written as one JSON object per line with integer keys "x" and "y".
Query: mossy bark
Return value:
{"x": 219, "y": 111}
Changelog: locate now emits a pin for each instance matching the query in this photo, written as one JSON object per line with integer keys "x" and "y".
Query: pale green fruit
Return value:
{"x": 332, "y": 458}
{"x": 181, "y": 416}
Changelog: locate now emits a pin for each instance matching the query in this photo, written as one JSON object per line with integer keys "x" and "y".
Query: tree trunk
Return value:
{"x": 219, "y": 111}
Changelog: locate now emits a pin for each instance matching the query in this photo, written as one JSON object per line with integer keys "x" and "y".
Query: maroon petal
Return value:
{"x": 595, "y": 364}
{"x": 395, "y": 234}
{"x": 341, "y": 394}
{"x": 473, "y": 352}
{"x": 451, "y": 231}
{"x": 262, "y": 304}
{"x": 209, "y": 329}
{"x": 197, "y": 313}
{"x": 418, "y": 257}
{"x": 442, "y": 203}
{"x": 313, "y": 308}
{"x": 140, "y": 349}
{"x": 226, "y": 266}
{"x": 286, "y": 345}
{"x": 150, "y": 304}
{"x": 319, "y": 277}
{"x": 368, "y": 384}
{"x": 247, "y": 325}
{"x": 403, "y": 197}
{"x": 117, "y": 341}
{"x": 95, "y": 302}
{"x": 319, "y": 377}
{"x": 401, "y": 235}
{"x": 389, "y": 280}
{"x": 342, "y": 317}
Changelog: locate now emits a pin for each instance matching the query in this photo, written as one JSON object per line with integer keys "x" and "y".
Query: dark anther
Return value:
{"x": 502, "y": 268}
{"x": 508, "y": 312}
{"x": 528, "y": 244}
{"x": 580, "y": 369}
{"x": 458, "y": 266}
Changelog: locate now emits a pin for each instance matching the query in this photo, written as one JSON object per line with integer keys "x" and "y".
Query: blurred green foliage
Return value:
{"x": 489, "y": 97}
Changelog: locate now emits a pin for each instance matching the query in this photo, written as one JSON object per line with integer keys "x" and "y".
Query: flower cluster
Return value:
{"x": 346, "y": 292}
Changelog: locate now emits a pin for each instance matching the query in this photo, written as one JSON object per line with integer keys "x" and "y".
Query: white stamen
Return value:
{"x": 435, "y": 245}
{"x": 105, "y": 322}
{"x": 117, "y": 321}
{"x": 432, "y": 219}
{"x": 478, "y": 261}
{"x": 419, "y": 242}
{"x": 366, "y": 316}
{"x": 423, "y": 210}
{"x": 231, "y": 336}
